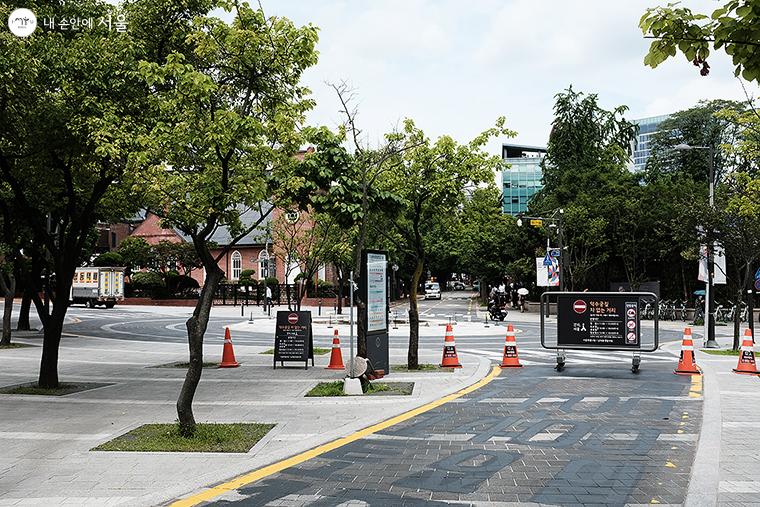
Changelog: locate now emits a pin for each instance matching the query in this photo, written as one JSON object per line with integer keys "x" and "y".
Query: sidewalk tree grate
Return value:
{"x": 208, "y": 437}
{"x": 31, "y": 388}
{"x": 326, "y": 389}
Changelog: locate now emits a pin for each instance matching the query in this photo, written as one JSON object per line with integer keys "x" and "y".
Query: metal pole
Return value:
{"x": 709, "y": 318}
{"x": 351, "y": 323}
{"x": 751, "y": 312}
{"x": 561, "y": 242}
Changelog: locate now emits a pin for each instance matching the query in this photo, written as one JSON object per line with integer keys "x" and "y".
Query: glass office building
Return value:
{"x": 647, "y": 128}
{"x": 521, "y": 176}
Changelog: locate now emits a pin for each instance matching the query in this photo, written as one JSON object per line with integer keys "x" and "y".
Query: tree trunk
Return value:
{"x": 196, "y": 329}
{"x": 341, "y": 284}
{"x": 52, "y": 327}
{"x": 9, "y": 290}
{"x": 737, "y": 316}
{"x": 414, "y": 319}
{"x": 23, "y": 314}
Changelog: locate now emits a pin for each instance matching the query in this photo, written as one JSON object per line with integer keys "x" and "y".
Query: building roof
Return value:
{"x": 221, "y": 236}
{"x": 519, "y": 150}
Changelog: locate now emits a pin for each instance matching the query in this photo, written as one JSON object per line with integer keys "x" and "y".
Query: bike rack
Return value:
{"x": 636, "y": 353}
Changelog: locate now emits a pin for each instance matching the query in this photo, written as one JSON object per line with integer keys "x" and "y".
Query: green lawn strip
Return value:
{"x": 185, "y": 365}
{"x": 423, "y": 367}
{"x": 722, "y": 352}
{"x": 318, "y": 351}
{"x": 61, "y": 390}
{"x": 375, "y": 388}
{"x": 209, "y": 437}
{"x": 16, "y": 346}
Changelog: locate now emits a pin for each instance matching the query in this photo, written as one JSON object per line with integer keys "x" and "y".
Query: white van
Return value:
{"x": 98, "y": 286}
{"x": 432, "y": 290}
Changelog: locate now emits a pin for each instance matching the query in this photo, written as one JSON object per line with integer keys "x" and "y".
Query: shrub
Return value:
{"x": 246, "y": 277}
{"x": 108, "y": 259}
{"x": 147, "y": 283}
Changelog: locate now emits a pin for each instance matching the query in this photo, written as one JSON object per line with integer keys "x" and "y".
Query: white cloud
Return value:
{"x": 455, "y": 66}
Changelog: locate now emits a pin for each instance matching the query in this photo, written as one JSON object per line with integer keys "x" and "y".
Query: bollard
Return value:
{"x": 485, "y": 316}
{"x": 329, "y": 322}
{"x": 242, "y": 310}
{"x": 319, "y": 310}
{"x": 250, "y": 320}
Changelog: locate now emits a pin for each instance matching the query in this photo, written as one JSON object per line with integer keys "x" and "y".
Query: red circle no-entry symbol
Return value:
{"x": 579, "y": 306}
{"x": 293, "y": 318}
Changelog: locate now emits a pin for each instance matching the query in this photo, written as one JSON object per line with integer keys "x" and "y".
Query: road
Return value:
{"x": 472, "y": 335}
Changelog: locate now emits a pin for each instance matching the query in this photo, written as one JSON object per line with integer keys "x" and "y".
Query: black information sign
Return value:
{"x": 598, "y": 320}
{"x": 293, "y": 339}
{"x": 373, "y": 286}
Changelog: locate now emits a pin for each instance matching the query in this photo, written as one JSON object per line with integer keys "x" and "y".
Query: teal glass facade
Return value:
{"x": 647, "y": 128}
{"x": 521, "y": 176}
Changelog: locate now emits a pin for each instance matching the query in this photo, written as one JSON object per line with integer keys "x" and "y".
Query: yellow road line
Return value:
{"x": 261, "y": 473}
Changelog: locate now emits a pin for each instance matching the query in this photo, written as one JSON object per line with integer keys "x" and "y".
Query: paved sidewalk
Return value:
{"x": 727, "y": 466}
{"x": 46, "y": 441}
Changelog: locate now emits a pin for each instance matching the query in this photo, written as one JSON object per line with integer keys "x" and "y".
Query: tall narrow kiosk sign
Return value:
{"x": 373, "y": 284}
{"x": 293, "y": 338}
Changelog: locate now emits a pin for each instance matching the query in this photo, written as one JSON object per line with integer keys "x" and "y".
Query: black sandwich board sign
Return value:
{"x": 373, "y": 288}
{"x": 293, "y": 338}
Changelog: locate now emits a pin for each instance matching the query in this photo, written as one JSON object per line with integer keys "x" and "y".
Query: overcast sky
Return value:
{"x": 455, "y": 66}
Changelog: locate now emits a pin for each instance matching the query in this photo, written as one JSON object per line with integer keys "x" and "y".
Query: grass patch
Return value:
{"x": 327, "y": 389}
{"x": 209, "y": 437}
{"x": 391, "y": 388}
{"x": 16, "y": 346}
{"x": 318, "y": 351}
{"x": 61, "y": 390}
{"x": 722, "y": 352}
{"x": 375, "y": 388}
{"x": 185, "y": 365}
{"x": 421, "y": 368}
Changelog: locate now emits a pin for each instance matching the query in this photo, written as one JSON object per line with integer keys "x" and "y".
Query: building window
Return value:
{"x": 113, "y": 240}
{"x": 263, "y": 264}
{"x": 237, "y": 265}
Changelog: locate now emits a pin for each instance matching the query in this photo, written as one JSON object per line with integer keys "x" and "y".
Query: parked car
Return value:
{"x": 432, "y": 290}
{"x": 457, "y": 285}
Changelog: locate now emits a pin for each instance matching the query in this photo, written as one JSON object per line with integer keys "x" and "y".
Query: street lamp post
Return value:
{"x": 554, "y": 221}
{"x": 709, "y": 317}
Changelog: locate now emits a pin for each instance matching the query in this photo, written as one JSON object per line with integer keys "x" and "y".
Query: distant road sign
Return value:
{"x": 535, "y": 222}
{"x": 547, "y": 260}
{"x": 579, "y": 306}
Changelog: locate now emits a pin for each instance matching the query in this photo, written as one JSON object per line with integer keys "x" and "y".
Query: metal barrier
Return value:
{"x": 599, "y": 321}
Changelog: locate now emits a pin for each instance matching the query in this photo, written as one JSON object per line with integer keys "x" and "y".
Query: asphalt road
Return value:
{"x": 472, "y": 336}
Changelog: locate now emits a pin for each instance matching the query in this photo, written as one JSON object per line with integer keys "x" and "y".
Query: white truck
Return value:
{"x": 98, "y": 286}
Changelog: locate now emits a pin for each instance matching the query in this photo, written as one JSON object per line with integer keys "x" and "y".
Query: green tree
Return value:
{"x": 731, "y": 28}
{"x": 488, "y": 241}
{"x": 136, "y": 253}
{"x": 71, "y": 110}
{"x": 230, "y": 112}
{"x": 430, "y": 179}
{"x": 343, "y": 182}
{"x": 586, "y": 174}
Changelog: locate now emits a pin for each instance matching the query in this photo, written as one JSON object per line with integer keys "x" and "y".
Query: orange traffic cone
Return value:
{"x": 686, "y": 364}
{"x": 747, "y": 356}
{"x": 336, "y": 357}
{"x": 510, "y": 359}
{"x": 450, "y": 359}
{"x": 228, "y": 354}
